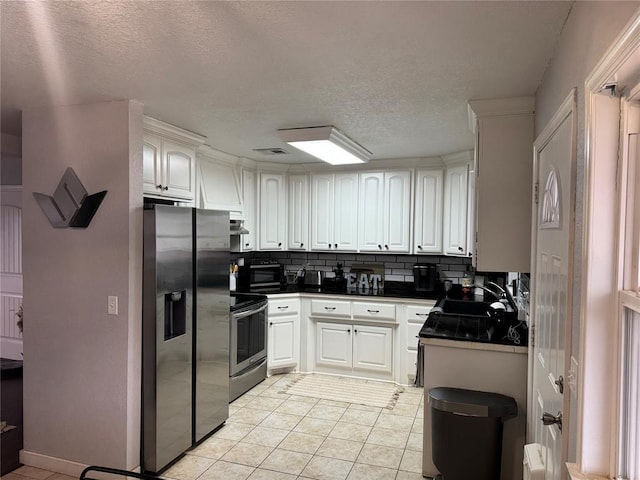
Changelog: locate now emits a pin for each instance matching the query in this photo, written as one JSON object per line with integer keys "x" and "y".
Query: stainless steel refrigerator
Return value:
{"x": 185, "y": 330}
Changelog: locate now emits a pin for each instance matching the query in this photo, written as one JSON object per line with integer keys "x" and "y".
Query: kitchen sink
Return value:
{"x": 462, "y": 307}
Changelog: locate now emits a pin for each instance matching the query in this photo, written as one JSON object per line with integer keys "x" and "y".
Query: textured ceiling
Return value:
{"x": 395, "y": 76}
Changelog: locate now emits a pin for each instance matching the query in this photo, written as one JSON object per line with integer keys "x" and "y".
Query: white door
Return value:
{"x": 455, "y": 210}
{"x": 179, "y": 170}
{"x": 298, "y": 212}
{"x": 281, "y": 351}
{"x": 249, "y": 205}
{"x": 373, "y": 348}
{"x": 272, "y": 212}
{"x": 333, "y": 348}
{"x": 371, "y": 218}
{"x": 322, "y": 209}
{"x": 345, "y": 221}
{"x": 428, "y": 211}
{"x": 152, "y": 165}
{"x": 397, "y": 211}
{"x": 554, "y": 153}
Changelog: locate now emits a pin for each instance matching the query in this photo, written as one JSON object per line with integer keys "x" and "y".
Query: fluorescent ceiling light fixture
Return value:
{"x": 326, "y": 143}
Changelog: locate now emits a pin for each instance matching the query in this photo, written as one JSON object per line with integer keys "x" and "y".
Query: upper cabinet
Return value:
{"x": 455, "y": 210}
{"x": 169, "y": 161}
{"x": 428, "y": 211}
{"x": 248, "y": 241}
{"x": 504, "y": 166}
{"x": 385, "y": 211}
{"x": 272, "y": 227}
{"x": 220, "y": 183}
{"x": 334, "y": 212}
{"x": 298, "y": 212}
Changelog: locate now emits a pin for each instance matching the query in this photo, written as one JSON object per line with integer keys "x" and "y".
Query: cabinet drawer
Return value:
{"x": 412, "y": 335}
{"x": 332, "y": 308}
{"x": 417, "y": 313}
{"x": 382, "y": 311}
{"x": 283, "y": 306}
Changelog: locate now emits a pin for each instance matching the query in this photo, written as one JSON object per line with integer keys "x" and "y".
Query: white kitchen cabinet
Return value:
{"x": 298, "y": 212}
{"x": 354, "y": 349}
{"x": 416, "y": 315}
{"x": 456, "y": 186}
{"x": 428, "y": 211}
{"x": 283, "y": 336}
{"x": 334, "y": 212}
{"x": 504, "y": 177}
{"x": 272, "y": 230}
{"x": 248, "y": 241}
{"x": 169, "y": 161}
{"x": 385, "y": 211}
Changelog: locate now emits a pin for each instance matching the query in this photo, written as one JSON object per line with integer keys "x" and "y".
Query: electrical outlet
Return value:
{"x": 112, "y": 305}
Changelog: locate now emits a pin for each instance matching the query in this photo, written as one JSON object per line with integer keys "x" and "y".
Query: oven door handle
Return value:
{"x": 249, "y": 312}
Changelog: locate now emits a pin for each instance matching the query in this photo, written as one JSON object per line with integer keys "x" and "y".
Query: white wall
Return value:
{"x": 82, "y": 366}
{"x": 590, "y": 29}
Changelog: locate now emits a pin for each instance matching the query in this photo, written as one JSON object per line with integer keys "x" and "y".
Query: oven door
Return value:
{"x": 248, "y": 338}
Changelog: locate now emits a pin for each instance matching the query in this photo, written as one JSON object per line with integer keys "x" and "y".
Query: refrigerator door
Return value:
{"x": 211, "y": 354}
{"x": 167, "y": 340}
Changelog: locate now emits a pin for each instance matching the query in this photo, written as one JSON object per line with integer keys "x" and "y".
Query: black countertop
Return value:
{"x": 391, "y": 289}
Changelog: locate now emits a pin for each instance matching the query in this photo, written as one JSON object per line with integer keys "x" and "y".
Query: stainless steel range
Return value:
{"x": 248, "y": 342}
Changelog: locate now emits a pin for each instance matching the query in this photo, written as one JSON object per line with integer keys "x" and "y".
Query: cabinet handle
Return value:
{"x": 279, "y": 244}
{"x": 387, "y": 247}
{"x": 460, "y": 249}
{"x": 419, "y": 247}
{"x": 355, "y": 331}
{"x": 330, "y": 309}
{"x": 270, "y": 323}
{"x": 246, "y": 244}
{"x": 165, "y": 188}
{"x": 160, "y": 186}
{"x": 373, "y": 311}
{"x": 301, "y": 245}
{"x": 283, "y": 308}
{"x": 379, "y": 247}
{"x": 421, "y": 314}
{"x": 335, "y": 245}
{"x": 329, "y": 245}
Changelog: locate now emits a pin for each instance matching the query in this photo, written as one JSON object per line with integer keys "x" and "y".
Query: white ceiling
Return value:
{"x": 395, "y": 76}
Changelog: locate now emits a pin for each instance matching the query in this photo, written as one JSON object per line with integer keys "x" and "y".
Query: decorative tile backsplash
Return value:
{"x": 397, "y": 268}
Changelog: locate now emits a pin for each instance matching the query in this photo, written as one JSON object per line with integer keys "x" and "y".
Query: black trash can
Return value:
{"x": 466, "y": 431}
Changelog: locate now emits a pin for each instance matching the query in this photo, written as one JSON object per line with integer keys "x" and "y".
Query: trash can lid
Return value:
{"x": 472, "y": 403}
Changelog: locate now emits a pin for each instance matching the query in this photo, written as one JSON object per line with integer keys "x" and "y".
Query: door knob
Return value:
{"x": 550, "y": 419}
{"x": 560, "y": 383}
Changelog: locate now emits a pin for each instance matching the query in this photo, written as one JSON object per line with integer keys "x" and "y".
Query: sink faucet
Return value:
{"x": 500, "y": 294}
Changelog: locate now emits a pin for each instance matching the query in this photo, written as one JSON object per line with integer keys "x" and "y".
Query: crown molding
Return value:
{"x": 171, "y": 132}
{"x": 498, "y": 107}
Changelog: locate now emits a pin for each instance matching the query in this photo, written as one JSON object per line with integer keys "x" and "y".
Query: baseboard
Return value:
{"x": 53, "y": 464}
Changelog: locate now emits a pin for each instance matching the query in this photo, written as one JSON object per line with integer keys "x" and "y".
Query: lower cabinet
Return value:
{"x": 283, "y": 334}
{"x": 357, "y": 349}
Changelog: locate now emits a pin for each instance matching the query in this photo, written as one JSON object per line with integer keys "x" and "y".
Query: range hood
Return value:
{"x": 236, "y": 227}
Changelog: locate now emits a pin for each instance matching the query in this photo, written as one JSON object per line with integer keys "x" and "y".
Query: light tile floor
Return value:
{"x": 274, "y": 436}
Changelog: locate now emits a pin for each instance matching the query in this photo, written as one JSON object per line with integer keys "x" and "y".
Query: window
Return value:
{"x": 629, "y": 295}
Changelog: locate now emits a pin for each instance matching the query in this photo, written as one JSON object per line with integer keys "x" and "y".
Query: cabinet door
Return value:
{"x": 371, "y": 218}
{"x": 272, "y": 231}
{"x": 373, "y": 349}
{"x": 455, "y": 211}
{"x": 179, "y": 170}
{"x": 152, "y": 165}
{"x": 333, "y": 345}
{"x": 298, "y": 212}
{"x": 322, "y": 208}
{"x": 345, "y": 224}
{"x": 397, "y": 211}
{"x": 283, "y": 342}
{"x": 249, "y": 206}
{"x": 428, "y": 211}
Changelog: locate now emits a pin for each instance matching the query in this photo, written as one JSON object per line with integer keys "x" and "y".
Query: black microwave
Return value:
{"x": 260, "y": 277}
